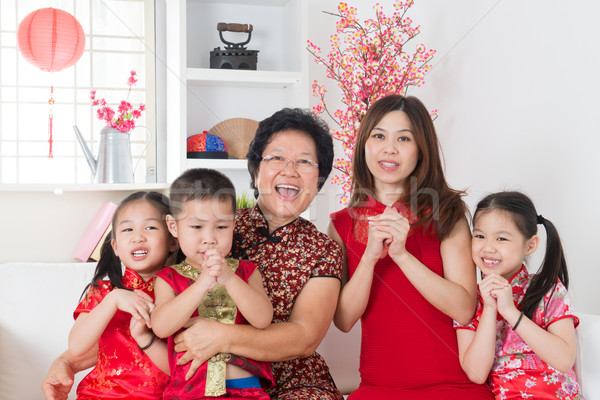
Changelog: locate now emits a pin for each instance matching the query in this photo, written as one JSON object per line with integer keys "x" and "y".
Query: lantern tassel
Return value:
{"x": 50, "y": 117}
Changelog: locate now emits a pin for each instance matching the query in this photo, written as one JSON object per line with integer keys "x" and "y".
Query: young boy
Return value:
{"x": 208, "y": 285}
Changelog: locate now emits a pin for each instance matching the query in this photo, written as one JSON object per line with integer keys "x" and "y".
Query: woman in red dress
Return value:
{"x": 408, "y": 271}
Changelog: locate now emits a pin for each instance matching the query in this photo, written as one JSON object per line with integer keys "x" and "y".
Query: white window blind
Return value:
{"x": 119, "y": 38}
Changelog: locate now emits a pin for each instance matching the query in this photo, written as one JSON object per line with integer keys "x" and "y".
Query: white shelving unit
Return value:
{"x": 58, "y": 188}
{"x": 241, "y": 78}
{"x": 199, "y": 97}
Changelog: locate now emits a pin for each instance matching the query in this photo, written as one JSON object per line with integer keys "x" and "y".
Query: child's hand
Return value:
{"x": 207, "y": 278}
{"x": 136, "y": 303}
{"x": 504, "y": 299}
{"x": 216, "y": 266}
{"x": 488, "y": 285}
{"x": 138, "y": 329}
{"x": 140, "y": 332}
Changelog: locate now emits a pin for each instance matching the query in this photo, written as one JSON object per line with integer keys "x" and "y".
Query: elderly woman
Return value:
{"x": 288, "y": 160}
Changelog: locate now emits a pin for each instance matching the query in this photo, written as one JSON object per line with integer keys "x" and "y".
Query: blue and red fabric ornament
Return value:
{"x": 206, "y": 145}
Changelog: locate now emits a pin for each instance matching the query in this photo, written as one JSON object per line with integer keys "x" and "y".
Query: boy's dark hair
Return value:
{"x": 109, "y": 264}
{"x": 292, "y": 119}
{"x": 200, "y": 184}
{"x": 522, "y": 211}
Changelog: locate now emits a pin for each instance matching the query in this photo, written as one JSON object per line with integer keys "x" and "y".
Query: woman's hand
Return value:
{"x": 200, "y": 341}
{"x": 379, "y": 238}
{"x": 395, "y": 227}
{"x": 59, "y": 381}
{"x": 61, "y": 375}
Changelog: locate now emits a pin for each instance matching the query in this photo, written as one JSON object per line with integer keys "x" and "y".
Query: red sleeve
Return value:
{"x": 245, "y": 269}
{"x": 556, "y": 306}
{"x": 342, "y": 223}
{"x": 93, "y": 297}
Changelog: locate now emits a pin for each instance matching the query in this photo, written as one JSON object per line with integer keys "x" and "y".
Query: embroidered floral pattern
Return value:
{"x": 121, "y": 366}
{"x": 517, "y": 372}
{"x": 287, "y": 259}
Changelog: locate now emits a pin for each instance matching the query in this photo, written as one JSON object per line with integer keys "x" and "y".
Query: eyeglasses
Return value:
{"x": 303, "y": 166}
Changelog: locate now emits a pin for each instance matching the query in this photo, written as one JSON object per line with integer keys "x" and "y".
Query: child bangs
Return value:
{"x": 516, "y": 206}
{"x": 201, "y": 184}
{"x": 156, "y": 199}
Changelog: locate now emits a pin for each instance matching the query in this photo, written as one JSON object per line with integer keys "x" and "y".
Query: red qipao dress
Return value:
{"x": 122, "y": 370}
{"x": 288, "y": 259}
{"x": 517, "y": 372}
{"x": 217, "y": 305}
{"x": 408, "y": 347}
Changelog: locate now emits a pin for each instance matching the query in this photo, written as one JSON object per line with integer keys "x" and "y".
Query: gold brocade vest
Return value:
{"x": 216, "y": 305}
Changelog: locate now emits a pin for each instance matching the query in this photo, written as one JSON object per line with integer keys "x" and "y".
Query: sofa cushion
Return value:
{"x": 341, "y": 351}
{"x": 587, "y": 365}
{"x": 36, "y": 313}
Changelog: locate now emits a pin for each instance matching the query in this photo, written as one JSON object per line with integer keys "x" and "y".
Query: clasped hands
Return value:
{"x": 497, "y": 293}
{"x": 214, "y": 269}
{"x": 387, "y": 234}
{"x": 201, "y": 339}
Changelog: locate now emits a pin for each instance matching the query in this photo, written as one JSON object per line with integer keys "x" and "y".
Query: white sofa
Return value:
{"x": 37, "y": 301}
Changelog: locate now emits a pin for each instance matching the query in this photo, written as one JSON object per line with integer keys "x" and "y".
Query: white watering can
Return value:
{"x": 114, "y": 163}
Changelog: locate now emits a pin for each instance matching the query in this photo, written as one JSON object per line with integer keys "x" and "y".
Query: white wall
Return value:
{"x": 516, "y": 84}
{"x": 41, "y": 226}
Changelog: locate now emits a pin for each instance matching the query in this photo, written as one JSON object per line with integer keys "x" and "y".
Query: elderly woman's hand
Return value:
{"x": 202, "y": 339}
{"x": 61, "y": 375}
{"x": 59, "y": 381}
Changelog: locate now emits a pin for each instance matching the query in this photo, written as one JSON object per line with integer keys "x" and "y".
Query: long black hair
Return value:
{"x": 427, "y": 190}
{"x": 109, "y": 264}
{"x": 554, "y": 267}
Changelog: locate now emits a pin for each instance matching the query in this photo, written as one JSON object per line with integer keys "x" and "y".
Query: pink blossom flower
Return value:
{"x": 124, "y": 119}
{"x": 368, "y": 60}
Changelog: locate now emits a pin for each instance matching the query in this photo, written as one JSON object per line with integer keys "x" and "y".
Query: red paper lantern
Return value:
{"x": 51, "y": 39}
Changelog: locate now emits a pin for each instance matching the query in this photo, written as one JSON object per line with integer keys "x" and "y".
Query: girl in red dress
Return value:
{"x": 522, "y": 340}
{"x": 408, "y": 271}
{"x": 113, "y": 319}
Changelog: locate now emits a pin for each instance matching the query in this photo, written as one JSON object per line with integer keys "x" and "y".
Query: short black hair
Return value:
{"x": 292, "y": 119}
{"x": 200, "y": 184}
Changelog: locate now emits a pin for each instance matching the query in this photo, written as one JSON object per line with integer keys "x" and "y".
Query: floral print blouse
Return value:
{"x": 517, "y": 372}
{"x": 288, "y": 258}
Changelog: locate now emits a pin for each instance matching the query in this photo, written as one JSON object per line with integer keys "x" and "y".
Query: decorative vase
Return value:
{"x": 114, "y": 157}
{"x": 114, "y": 164}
